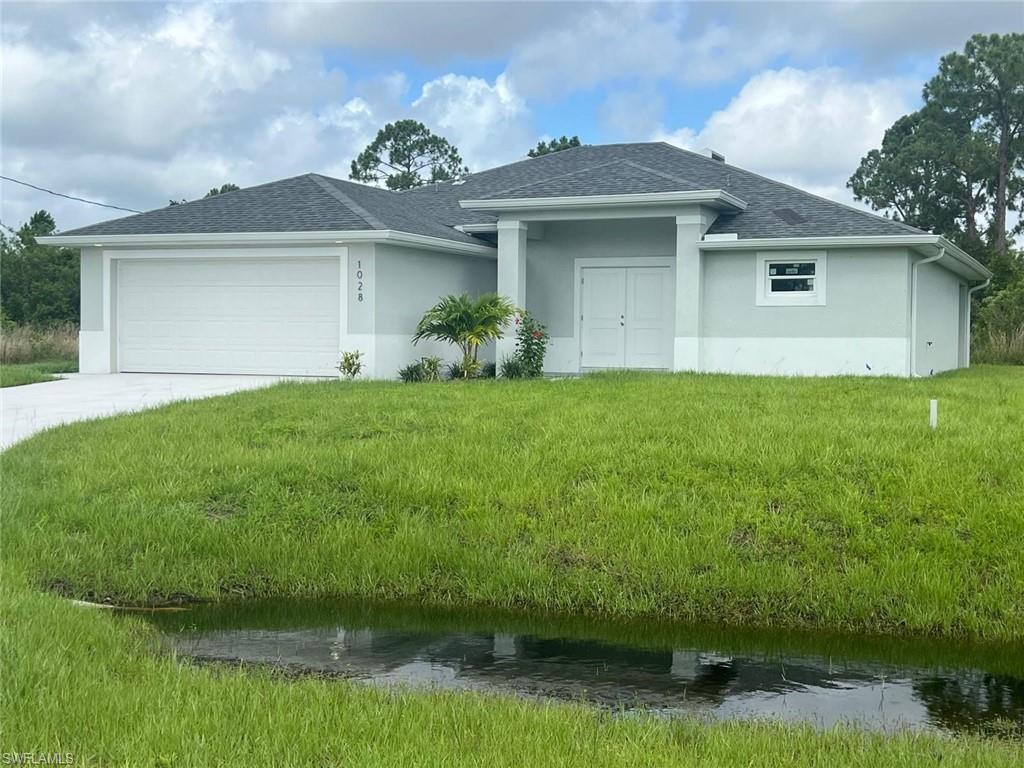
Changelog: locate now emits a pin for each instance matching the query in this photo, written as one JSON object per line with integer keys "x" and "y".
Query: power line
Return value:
{"x": 69, "y": 197}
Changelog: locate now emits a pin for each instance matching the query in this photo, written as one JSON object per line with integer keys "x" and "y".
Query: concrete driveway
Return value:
{"x": 31, "y": 408}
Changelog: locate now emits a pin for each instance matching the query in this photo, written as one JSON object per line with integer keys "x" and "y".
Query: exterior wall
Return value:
{"x": 940, "y": 319}
{"x": 861, "y": 329}
{"x": 385, "y": 291}
{"x": 408, "y": 281}
{"x": 97, "y": 336}
{"x": 550, "y": 278}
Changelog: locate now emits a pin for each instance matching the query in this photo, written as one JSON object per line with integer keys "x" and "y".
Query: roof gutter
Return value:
{"x": 715, "y": 198}
{"x": 227, "y": 239}
{"x": 478, "y": 229}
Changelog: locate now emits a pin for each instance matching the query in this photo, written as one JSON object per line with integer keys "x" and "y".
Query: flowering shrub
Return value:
{"x": 531, "y": 346}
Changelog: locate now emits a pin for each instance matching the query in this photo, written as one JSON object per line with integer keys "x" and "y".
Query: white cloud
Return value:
{"x": 128, "y": 87}
{"x": 168, "y": 105}
{"x": 807, "y": 127}
{"x": 599, "y": 45}
{"x": 430, "y": 31}
{"x": 630, "y": 113}
{"x": 699, "y": 43}
{"x": 488, "y": 122}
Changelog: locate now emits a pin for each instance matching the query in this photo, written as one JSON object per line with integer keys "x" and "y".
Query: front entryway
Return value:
{"x": 626, "y": 317}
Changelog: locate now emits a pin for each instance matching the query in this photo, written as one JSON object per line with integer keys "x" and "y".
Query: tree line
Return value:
{"x": 955, "y": 167}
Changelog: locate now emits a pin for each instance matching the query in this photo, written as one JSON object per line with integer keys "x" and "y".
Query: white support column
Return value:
{"x": 511, "y": 274}
{"x": 690, "y": 228}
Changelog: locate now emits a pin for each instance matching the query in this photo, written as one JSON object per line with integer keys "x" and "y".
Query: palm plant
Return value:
{"x": 466, "y": 323}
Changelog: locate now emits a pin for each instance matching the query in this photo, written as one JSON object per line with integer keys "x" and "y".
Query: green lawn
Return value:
{"x": 788, "y": 502}
{"x": 801, "y": 503}
{"x": 16, "y": 374}
{"x": 82, "y": 681}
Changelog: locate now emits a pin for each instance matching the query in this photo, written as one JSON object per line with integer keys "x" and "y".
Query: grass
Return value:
{"x": 16, "y": 374}
{"x": 31, "y": 354}
{"x": 822, "y": 504}
{"x": 798, "y": 503}
{"x": 33, "y": 344}
{"x": 87, "y": 683}
{"x": 1005, "y": 347}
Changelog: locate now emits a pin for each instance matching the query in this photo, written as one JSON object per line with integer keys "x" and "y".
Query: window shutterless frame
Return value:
{"x": 790, "y": 279}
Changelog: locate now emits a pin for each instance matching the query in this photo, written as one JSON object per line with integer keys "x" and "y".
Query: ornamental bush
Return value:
{"x": 531, "y": 345}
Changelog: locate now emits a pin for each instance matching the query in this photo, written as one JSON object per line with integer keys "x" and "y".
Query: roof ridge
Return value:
{"x": 656, "y": 172}
{"x": 521, "y": 160}
{"x": 413, "y": 211}
{"x": 547, "y": 179}
{"x": 325, "y": 184}
{"x": 868, "y": 214}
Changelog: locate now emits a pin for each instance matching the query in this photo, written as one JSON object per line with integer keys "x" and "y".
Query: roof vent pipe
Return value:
{"x": 709, "y": 152}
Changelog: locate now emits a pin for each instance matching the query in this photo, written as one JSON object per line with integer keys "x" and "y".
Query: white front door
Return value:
{"x": 603, "y": 328}
{"x": 649, "y": 317}
{"x": 626, "y": 317}
{"x": 229, "y": 315}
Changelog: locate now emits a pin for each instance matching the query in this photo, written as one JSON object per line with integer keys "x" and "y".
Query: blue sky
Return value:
{"x": 136, "y": 103}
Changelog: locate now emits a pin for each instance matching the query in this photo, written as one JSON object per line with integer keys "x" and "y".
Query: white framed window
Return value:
{"x": 791, "y": 279}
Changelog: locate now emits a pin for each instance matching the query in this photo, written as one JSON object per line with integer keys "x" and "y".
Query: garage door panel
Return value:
{"x": 229, "y": 315}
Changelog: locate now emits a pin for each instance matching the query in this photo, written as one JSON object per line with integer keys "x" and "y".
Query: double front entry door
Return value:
{"x": 627, "y": 317}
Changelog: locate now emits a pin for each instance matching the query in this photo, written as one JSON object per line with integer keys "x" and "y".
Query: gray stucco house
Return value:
{"x": 634, "y": 256}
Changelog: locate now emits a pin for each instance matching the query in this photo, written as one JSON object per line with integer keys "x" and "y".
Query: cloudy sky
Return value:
{"x": 136, "y": 103}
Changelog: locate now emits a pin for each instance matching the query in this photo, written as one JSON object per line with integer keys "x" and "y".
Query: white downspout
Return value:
{"x": 970, "y": 293}
{"x": 913, "y": 306}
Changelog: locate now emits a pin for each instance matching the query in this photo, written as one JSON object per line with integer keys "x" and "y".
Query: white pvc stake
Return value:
{"x": 933, "y": 414}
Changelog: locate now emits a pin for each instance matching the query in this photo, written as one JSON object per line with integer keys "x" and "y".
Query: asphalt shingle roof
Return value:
{"x": 313, "y": 202}
{"x": 820, "y": 217}
{"x": 616, "y": 177}
{"x": 306, "y": 203}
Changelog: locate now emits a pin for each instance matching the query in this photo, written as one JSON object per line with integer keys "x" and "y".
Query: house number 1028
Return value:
{"x": 359, "y": 281}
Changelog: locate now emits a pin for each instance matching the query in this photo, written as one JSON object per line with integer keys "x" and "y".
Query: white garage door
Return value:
{"x": 228, "y": 315}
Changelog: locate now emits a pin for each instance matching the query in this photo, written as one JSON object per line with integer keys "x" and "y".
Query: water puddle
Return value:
{"x": 666, "y": 669}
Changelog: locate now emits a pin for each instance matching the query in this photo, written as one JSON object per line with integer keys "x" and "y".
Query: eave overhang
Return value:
{"x": 717, "y": 199}
{"x": 926, "y": 244}
{"x": 227, "y": 239}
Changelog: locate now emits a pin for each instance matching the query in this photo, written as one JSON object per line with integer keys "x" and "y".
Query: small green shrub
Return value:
{"x": 413, "y": 373}
{"x": 464, "y": 369}
{"x": 424, "y": 369}
{"x": 351, "y": 364}
{"x": 512, "y": 368}
{"x": 431, "y": 368}
{"x": 488, "y": 371}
